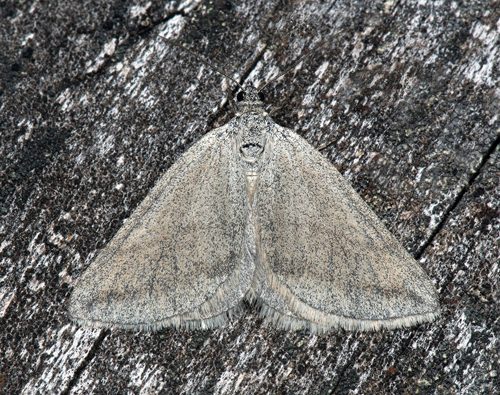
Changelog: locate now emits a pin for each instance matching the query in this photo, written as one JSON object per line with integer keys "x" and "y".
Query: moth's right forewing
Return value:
{"x": 176, "y": 259}
{"x": 327, "y": 254}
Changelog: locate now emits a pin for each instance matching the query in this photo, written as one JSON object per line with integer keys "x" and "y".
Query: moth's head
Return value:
{"x": 250, "y": 100}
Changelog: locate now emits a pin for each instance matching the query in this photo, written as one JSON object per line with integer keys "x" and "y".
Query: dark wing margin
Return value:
{"x": 176, "y": 260}
{"x": 326, "y": 254}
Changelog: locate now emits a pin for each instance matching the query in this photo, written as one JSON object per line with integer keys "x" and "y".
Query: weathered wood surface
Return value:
{"x": 94, "y": 106}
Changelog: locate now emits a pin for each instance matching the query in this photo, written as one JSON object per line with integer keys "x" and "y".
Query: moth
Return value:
{"x": 253, "y": 212}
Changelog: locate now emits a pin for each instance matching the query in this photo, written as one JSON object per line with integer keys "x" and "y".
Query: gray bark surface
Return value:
{"x": 404, "y": 99}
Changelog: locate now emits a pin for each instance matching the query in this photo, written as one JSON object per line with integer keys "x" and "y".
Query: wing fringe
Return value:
{"x": 205, "y": 316}
{"x": 319, "y": 322}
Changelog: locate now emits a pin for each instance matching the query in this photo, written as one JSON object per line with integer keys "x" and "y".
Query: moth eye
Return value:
{"x": 261, "y": 96}
{"x": 240, "y": 96}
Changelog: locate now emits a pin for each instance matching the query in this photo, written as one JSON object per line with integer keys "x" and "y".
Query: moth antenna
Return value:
{"x": 214, "y": 68}
{"x": 302, "y": 58}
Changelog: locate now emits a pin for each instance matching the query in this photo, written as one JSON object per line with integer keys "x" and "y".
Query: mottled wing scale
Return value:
{"x": 328, "y": 260}
{"x": 253, "y": 211}
{"x": 176, "y": 260}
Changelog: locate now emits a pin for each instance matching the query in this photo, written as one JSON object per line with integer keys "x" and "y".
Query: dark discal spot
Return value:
{"x": 89, "y": 306}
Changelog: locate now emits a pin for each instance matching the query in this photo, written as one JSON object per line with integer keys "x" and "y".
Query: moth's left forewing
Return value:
{"x": 324, "y": 251}
{"x": 176, "y": 261}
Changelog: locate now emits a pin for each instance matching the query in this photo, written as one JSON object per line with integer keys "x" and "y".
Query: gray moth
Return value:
{"x": 252, "y": 211}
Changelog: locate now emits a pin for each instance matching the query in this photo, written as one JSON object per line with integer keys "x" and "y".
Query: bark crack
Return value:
{"x": 86, "y": 361}
{"x": 470, "y": 181}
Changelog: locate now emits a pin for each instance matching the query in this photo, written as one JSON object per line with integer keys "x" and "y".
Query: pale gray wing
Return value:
{"x": 325, "y": 253}
{"x": 176, "y": 259}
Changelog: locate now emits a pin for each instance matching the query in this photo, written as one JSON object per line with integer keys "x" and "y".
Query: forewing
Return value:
{"x": 176, "y": 259}
{"x": 326, "y": 253}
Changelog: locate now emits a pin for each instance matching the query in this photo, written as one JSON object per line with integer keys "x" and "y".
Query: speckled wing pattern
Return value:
{"x": 253, "y": 211}
{"x": 176, "y": 260}
{"x": 328, "y": 260}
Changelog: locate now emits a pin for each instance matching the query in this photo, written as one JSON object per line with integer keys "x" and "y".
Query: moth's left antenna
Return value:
{"x": 203, "y": 61}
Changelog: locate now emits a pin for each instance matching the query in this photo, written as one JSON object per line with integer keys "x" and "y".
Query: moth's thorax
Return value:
{"x": 250, "y": 144}
{"x": 252, "y": 125}
{"x": 251, "y": 133}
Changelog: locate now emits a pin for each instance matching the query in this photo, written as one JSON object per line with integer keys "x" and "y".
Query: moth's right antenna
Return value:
{"x": 203, "y": 61}
{"x": 302, "y": 58}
